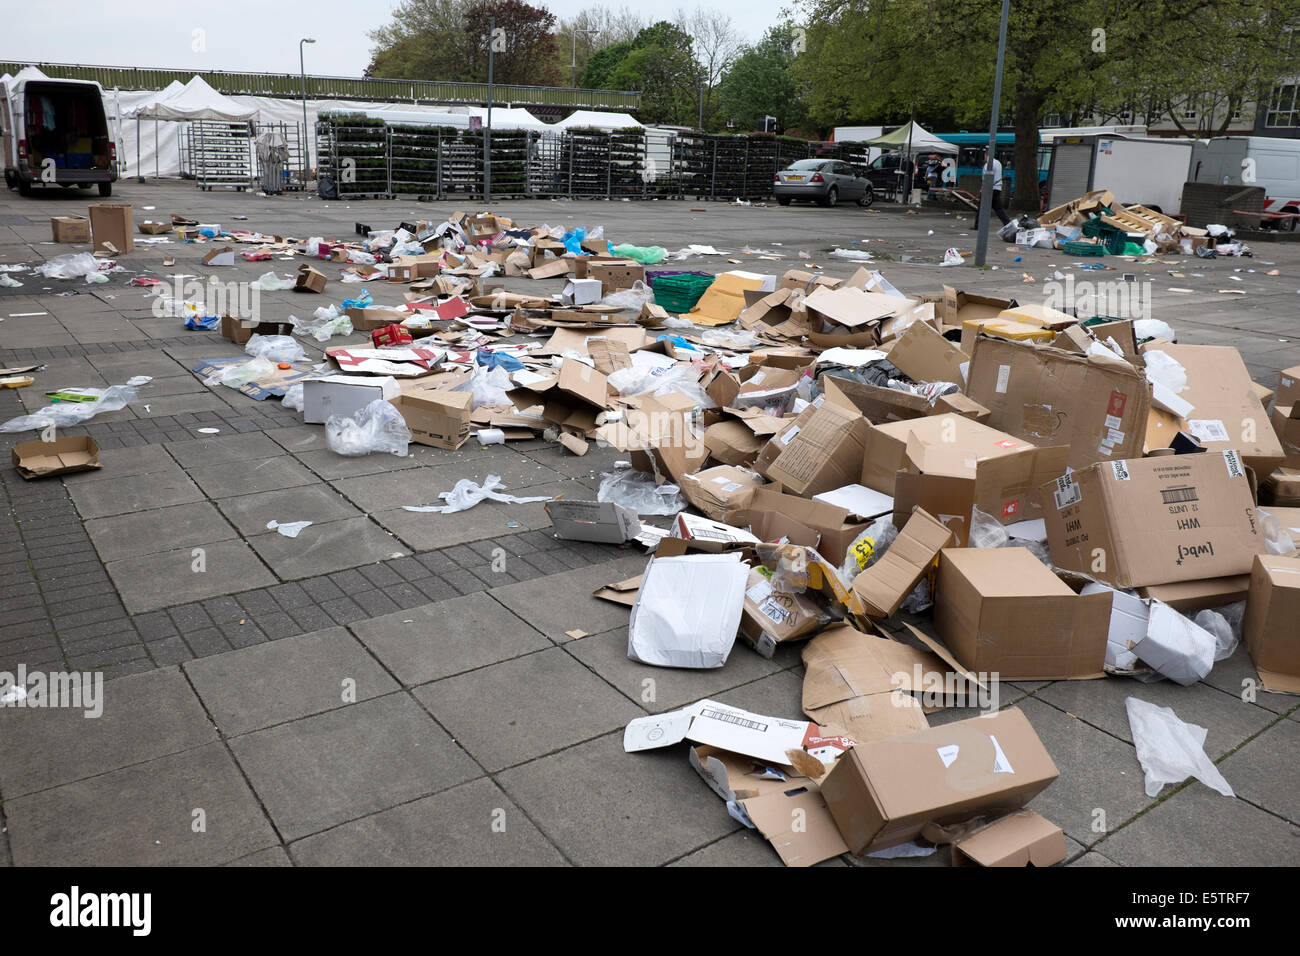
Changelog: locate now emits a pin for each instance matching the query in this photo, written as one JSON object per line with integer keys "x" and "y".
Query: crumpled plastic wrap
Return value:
{"x": 1169, "y": 749}
{"x": 324, "y": 324}
{"x": 867, "y": 547}
{"x": 275, "y": 348}
{"x": 63, "y": 414}
{"x": 377, "y": 427}
{"x": 467, "y": 493}
{"x": 647, "y": 381}
{"x": 487, "y": 386}
{"x": 637, "y": 490}
{"x": 70, "y": 266}
{"x": 256, "y": 369}
{"x": 630, "y": 299}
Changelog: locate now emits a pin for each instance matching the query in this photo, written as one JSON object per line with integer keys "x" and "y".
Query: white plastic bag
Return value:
{"x": 952, "y": 258}
{"x": 637, "y": 490}
{"x": 1225, "y": 641}
{"x": 630, "y": 299}
{"x": 290, "y": 529}
{"x": 270, "y": 282}
{"x": 467, "y": 493}
{"x": 236, "y": 375}
{"x": 650, "y": 381}
{"x": 1276, "y": 538}
{"x": 325, "y": 323}
{"x": 1169, "y": 749}
{"x": 377, "y": 427}
{"x": 63, "y": 414}
{"x": 69, "y": 266}
{"x": 275, "y": 348}
{"x": 293, "y": 397}
{"x": 487, "y": 386}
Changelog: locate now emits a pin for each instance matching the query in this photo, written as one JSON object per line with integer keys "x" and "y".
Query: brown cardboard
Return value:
{"x": 43, "y": 459}
{"x": 773, "y": 527}
{"x": 1188, "y": 597}
{"x": 958, "y": 306}
{"x": 1002, "y": 611}
{"x": 240, "y": 331}
{"x": 223, "y": 256}
{"x": 1282, "y": 486}
{"x": 70, "y": 229}
{"x": 620, "y": 592}
{"x": 1226, "y": 414}
{"x": 1271, "y": 629}
{"x": 309, "y": 280}
{"x": 150, "y": 227}
{"x": 1018, "y": 839}
{"x": 852, "y": 308}
{"x": 832, "y": 523}
{"x": 1286, "y": 424}
{"x": 771, "y": 617}
{"x": 1002, "y": 328}
{"x": 808, "y": 281}
{"x": 112, "y": 222}
{"x": 732, "y": 442}
{"x": 884, "y": 792}
{"x": 1097, "y": 406}
{"x": 825, "y": 453}
{"x": 436, "y": 417}
{"x": 885, "y": 585}
{"x": 886, "y": 445}
{"x": 923, "y": 354}
{"x": 1288, "y": 386}
{"x": 1154, "y": 520}
{"x": 374, "y": 317}
{"x": 617, "y": 274}
{"x": 723, "y": 493}
{"x": 882, "y": 405}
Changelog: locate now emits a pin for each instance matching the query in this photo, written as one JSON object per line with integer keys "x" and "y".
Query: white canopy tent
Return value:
{"x": 593, "y": 119}
{"x": 149, "y": 107}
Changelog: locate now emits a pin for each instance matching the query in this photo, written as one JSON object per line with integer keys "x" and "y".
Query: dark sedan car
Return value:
{"x": 823, "y": 181}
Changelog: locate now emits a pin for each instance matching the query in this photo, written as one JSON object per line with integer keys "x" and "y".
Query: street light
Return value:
{"x": 306, "y": 150}
{"x": 574, "y": 63}
{"x": 986, "y": 190}
{"x": 487, "y": 133}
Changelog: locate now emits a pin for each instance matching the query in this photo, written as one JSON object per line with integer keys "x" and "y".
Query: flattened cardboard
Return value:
{"x": 111, "y": 224}
{"x": 601, "y": 521}
{"x": 1270, "y": 628}
{"x": 1154, "y": 521}
{"x": 273, "y": 387}
{"x": 1001, "y": 610}
{"x": 884, "y": 792}
{"x": 853, "y": 308}
{"x": 1018, "y": 839}
{"x": 44, "y": 459}
{"x": 724, "y": 300}
{"x": 1097, "y": 406}
{"x": 923, "y": 354}
{"x": 885, "y": 585}
{"x": 620, "y": 592}
{"x": 224, "y": 256}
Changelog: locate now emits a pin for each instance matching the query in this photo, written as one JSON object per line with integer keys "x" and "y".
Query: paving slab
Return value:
{"x": 563, "y": 602}
{"x": 143, "y": 815}
{"x": 1101, "y": 703}
{"x": 516, "y": 472}
{"x": 1198, "y": 827}
{"x": 160, "y": 529}
{"x": 330, "y": 465}
{"x": 154, "y": 581}
{"x": 226, "y": 447}
{"x": 271, "y": 856}
{"x": 318, "y": 503}
{"x": 1263, "y": 771}
{"x": 247, "y": 477}
{"x": 448, "y": 637}
{"x": 127, "y": 493}
{"x": 474, "y": 824}
{"x": 324, "y": 770}
{"x": 144, "y": 716}
{"x": 1237, "y": 675}
{"x": 326, "y": 547}
{"x": 123, "y": 462}
{"x": 119, "y": 366}
{"x": 507, "y": 713}
{"x": 266, "y": 684}
{"x": 610, "y": 808}
{"x": 177, "y": 404}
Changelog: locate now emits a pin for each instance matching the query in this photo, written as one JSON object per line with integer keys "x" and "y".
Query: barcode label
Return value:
{"x": 1067, "y": 492}
{"x": 1120, "y": 470}
{"x": 735, "y": 719}
{"x": 1174, "y": 496}
{"x": 1208, "y": 429}
{"x": 1004, "y": 374}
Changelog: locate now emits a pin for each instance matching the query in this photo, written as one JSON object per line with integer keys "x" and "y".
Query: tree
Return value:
{"x": 658, "y": 62}
{"x": 715, "y": 44}
{"x": 759, "y": 83}
{"x": 523, "y": 44}
{"x": 601, "y": 64}
{"x": 596, "y": 28}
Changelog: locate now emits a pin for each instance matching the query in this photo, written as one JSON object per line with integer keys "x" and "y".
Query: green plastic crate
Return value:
{"x": 1083, "y": 249}
{"x": 680, "y": 293}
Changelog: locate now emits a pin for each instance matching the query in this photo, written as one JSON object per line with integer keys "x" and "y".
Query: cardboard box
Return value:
{"x": 1225, "y": 412}
{"x": 881, "y": 405}
{"x": 885, "y": 585}
{"x": 70, "y": 229}
{"x": 617, "y": 274}
{"x": 808, "y": 281}
{"x": 374, "y": 317}
{"x": 885, "y": 450}
{"x": 112, "y": 222}
{"x": 830, "y": 522}
{"x": 1288, "y": 387}
{"x": 957, "y": 306}
{"x": 1003, "y": 328}
{"x": 151, "y": 228}
{"x": 923, "y": 354}
{"x": 240, "y": 331}
{"x": 884, "y": 792}
{"x": 1270, "y": 628}
{"x": 1286, "y": 424}
{"x": 1018, "y": 839}
{"x": 342, "y": 395}
{"x": 771, "y": 617}
{"x": 705, "y": 534}
{"x": 732, "y": 442}
{"x": 1154, "y": 520}
{"x": 1192, "y": 596}
{"x": 43, "y": 459}
{"x": 225, "y": 256}
{"x": 1002, "y": 611}
{"x": 826, "y": 452}
{"x": 723, "y": 493}
{"x": 309, "y": 280}
{"x": 853, "y": 308}
{"x": 601, "y": 521}
{"x": 437, "y": 417}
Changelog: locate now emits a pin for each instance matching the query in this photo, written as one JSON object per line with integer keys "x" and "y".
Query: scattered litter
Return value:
{"x": 377, "y": 427}
{"x": 1169, "y": 749}
{"x": 290, "y": 529}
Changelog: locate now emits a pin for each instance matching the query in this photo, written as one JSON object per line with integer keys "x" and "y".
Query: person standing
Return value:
{"x": 996, "y": 204}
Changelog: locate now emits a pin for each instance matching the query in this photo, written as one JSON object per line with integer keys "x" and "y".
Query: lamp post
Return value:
{"x": 487, "y": 132}
{"x": 306, "y": 149}
{"x": 573, "y": 63}
{"x": 986, "y": 190}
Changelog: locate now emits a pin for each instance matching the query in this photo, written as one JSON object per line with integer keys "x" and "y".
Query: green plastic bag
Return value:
{"x": 646, "y": 255}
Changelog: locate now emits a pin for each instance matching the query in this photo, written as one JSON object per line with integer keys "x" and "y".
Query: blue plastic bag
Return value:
{"x": 202, "y": 323}
{"x": 362, "y": 301}
{"x": 573, "y": 241}
{"x": 498, "y": 360}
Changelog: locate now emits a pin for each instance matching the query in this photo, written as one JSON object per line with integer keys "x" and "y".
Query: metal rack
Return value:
{"x": 221, "y": 154}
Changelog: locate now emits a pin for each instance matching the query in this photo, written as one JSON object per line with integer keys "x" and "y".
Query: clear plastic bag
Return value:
{"x": 275, "y": 348}
{"x": 1225, "y": 641}
{"x": 738, "y": 340}
{"x": 467, "y": 493}
{"x": 293, "y": 397}
{"x": 487, "y": 386}
{"x": 238, "y": 374}
{"x": 270, "y": 282}
{"x": 674, "y": 378}
{"x": 867, "y": 548}
{"x": 637, "y": 490}
{"x": 630, "y": 299}
{"x": 377, "y": 427}
{"x": 325, "y": 323}
{"x": 1169, "y": 749}
{"x": 70, "y": 266}
{"x": 1276, "y": 538}
{"x": 64, "y": 414}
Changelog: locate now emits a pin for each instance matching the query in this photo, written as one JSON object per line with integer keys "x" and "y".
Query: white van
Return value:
{"x": 1150, "y": 172}
{"x": 55, "y": 133}
{"x": 1254, "y": 161}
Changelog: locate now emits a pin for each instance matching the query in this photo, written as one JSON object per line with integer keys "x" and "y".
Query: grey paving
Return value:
{"x": 158, "y": 529}
{"x": 166, "y": 578}
{"x": 563, "y": 602}
{"x": 122, "y": 495}
{"x": 326, "y": 546}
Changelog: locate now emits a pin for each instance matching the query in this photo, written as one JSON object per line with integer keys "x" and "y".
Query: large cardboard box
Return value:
{"x": 957, "y": 306}
{"x": 1226, "y": 413}
{"x": 1288, "y": 387}
{"x": 771, "y": 617}
{"x": 617, "y": 274}
{"x": 723, "y": 493}
{"x": 112, "y": 222}
{"x": 42, "y": 459}
{"x": 436, "y": 417}
{"x": 884, "y": 792}
{"x": 1097, "y": 406}
{"x": 829, "y": 521}
{"x": 885, "y": 585}
{"x": 882, "y": 405}
{"x": 1002, "y": 611}
{"x": 1154, "y": 520}
{"x": 1286, "y": 424}
{"x": 1272, "y": 625}
{"x": 240, "y": 331}
{"x": 70, "y": 229}
{"x": 825, "y": 453}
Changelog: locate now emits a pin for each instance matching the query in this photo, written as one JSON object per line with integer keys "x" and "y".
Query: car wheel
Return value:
{"x": 830, "y": 199}
{"x": 866, "y": 199}
{"x": 24, "y": 187}
{"x": 783, "y": 200}
{"x": 106, "y": 189}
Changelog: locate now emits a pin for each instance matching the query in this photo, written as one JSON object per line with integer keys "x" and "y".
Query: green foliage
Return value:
{"x": 761, "y": 84}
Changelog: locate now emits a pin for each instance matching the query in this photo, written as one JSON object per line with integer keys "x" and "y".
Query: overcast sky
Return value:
{"x": 249, "y": 35}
